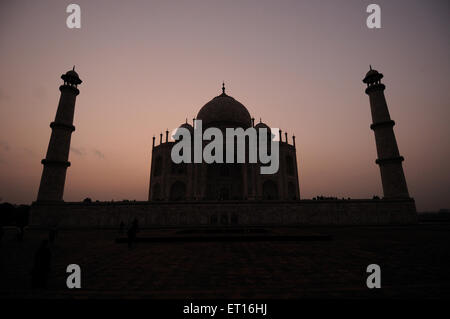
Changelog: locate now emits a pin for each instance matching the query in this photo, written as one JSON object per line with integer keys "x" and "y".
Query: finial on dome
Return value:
{"x": 370, "y": 66}
{"x": 223, "y": 87}
{"x": 73, "y": 69}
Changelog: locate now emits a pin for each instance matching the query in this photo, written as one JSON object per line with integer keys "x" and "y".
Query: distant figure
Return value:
{"x": 132, "y": 232}
{"x": 121, "y": 227}
{"x": 41, "y": 267}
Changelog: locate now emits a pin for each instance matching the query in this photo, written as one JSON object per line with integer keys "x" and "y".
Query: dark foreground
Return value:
{"x": 311, "y": 262}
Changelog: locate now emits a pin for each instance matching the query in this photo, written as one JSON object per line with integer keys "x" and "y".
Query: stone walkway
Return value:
{"x": 414, "y": 262}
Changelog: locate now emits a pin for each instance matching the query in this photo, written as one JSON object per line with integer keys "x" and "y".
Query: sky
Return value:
{"x": 146, "y": 66}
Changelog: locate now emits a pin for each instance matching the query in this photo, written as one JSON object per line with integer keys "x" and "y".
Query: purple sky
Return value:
{"x": 147, "y": 65}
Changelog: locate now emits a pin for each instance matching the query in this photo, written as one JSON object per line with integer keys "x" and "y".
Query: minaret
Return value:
{"x": 389, "y": 159}
{"x": 56, "y": 160}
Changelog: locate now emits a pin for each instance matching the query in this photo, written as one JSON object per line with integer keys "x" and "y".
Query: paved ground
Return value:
{"x": 317, "y": 262}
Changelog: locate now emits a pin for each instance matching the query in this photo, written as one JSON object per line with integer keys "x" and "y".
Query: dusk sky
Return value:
{"x": 148, "y": 65}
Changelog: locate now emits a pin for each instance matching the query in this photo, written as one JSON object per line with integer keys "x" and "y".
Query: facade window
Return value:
{"x": 290, "y": 165}
{"x": 270, "y": 190}
{"x": 178, "y": 169}
{"x": 158, "y": 166}
{"x": 178, "y": 191}
{"x": 292, "y": 194}
{"x": 156, "y": 192}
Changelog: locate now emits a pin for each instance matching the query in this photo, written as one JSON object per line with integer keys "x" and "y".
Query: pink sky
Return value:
{"x": 147, "y": 65}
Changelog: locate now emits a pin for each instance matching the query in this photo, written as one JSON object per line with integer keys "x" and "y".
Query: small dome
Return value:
{"x": 372, "y": 75}
{"x": 262, "y": 125}
{"x": 184, "y": 125}
{"x": 224, "y": 110}
{"x": 72, "y": 73}
{"x": 71, "y": 77}
{"x": 371, "y": 72}
{"x": 187, "y": 126}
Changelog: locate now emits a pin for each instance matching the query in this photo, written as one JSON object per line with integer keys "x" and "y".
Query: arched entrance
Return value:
{"x": 270, "y": 190}
{"x": 178, "y": 191}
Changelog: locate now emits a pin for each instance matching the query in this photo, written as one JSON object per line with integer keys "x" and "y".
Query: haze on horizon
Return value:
{"x": 146, "y": 66}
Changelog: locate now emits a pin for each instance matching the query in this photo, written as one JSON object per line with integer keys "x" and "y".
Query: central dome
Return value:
{"x": 223, "y": 110}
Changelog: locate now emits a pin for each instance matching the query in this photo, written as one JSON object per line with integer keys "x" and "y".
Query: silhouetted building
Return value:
{"x": 222, "y": 181}
{"x": 389, "y": 159}
{"x": 56, "y": 161}
{"x": 223, "y": 194}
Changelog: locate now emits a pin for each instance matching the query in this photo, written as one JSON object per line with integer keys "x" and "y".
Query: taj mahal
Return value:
{"x": 223, "y": 194}
{"x": 223, "y": 181}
